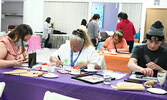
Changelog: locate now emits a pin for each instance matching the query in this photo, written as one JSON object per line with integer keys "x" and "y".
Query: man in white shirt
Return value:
{"x": 79, "y": 52}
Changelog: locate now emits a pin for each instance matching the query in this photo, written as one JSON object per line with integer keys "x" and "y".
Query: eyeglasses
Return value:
{"x": 78, "y": 33}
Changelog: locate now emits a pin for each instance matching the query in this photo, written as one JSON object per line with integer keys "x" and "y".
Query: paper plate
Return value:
{"x": 157, "y": 90}
{"x": 50, "y": 75}
{"x": 90, "y": 70}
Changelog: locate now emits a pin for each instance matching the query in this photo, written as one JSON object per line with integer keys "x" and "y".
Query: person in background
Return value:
{"x": 93, "y": 29}
{"x": 128, "y": 28}
{"x": 46, "y": 30}
{"x": 79, "y": 52}
{"x": 83, "y": 25}
{"x": 12, "y": 46}
{"x": 116, "y": 41}
{"x": 150, "y": 58}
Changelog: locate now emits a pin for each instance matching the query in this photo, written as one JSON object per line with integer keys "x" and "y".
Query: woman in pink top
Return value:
{"x": 12, "y": 51}
{"x": 116, "y": 42}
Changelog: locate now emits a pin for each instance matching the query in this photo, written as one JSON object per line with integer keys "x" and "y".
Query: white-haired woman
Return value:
{"x": 79, "y": 52}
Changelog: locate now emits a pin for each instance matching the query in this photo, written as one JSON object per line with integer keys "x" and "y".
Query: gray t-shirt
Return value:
{"x": 93, "y": 30}
{"x": 144, "y": 56}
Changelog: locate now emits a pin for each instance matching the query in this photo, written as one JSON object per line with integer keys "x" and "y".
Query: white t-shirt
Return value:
{"x": 46, "y": 30}
{"x": 88, "y": 54}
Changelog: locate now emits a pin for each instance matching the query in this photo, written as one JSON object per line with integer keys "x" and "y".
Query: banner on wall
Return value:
{"x": 99, "y": 9}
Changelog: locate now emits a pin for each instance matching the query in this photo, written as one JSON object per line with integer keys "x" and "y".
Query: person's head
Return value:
{"x": 117, "y": 36}
{"x": 155, "y": 36}
{"x": 21, "y": 33}
{"x": 122, "y": 15}
{"x": 48, "y": 19}
{"x": 96, "y": 17}
{"x": 78, "y": 40}
{"x": 83, "y": 22}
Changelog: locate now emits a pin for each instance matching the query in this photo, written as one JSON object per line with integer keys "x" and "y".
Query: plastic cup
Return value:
{"x": 161, "y": 77}
{"x": 107, "y": 76}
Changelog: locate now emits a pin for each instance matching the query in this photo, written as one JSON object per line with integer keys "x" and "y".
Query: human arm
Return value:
{"x": 25, "y": 57}
{"x": 125, "y": 49}
{"x": 154, "y": 66}
{"x": 118, "y": 26}
{"x": 105, "y": 44}
{"x": 135, "y": 63}
{"x": 7, "y": 63}
{"x": 83, "y": 64}
{"x": 96, "y": 30}
{"x": 133, "y": 28}
{"x": 55, "y": 60}
{"x": 132, "y": 65}
{"x": 58, "y": 53}
{"x": 46, "y": 26}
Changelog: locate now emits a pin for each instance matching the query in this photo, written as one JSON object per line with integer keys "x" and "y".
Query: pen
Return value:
{"x": 60, "y": 60}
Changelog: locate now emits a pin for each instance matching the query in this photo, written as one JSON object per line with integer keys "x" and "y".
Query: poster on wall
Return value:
{"x": 98, "y": 9}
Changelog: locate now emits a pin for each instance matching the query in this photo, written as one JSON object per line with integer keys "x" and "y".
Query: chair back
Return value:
{"x": 55, "y": 96}
{"x": 99, "y": 44}
{"x": 2, "y": 86}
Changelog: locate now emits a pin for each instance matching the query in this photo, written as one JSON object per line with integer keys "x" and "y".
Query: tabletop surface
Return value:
{"x": 81, "y": 90}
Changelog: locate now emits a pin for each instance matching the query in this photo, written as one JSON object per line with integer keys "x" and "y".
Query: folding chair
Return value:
{"x": 55, "y": 96}
{"x": 2, "y": 86}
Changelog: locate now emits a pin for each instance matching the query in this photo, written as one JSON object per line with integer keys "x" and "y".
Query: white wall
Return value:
{"x": 12, "y": 9}
{"x": 33, "y": 14}
{"x": 33, "y": 10}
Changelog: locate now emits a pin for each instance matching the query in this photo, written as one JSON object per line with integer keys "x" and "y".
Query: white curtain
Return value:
{"x": 134, "y": 12}
{"x": 66, "y": 15}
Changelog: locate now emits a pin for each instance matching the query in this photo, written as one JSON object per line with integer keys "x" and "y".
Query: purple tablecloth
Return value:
{"x": 27, "y": 88}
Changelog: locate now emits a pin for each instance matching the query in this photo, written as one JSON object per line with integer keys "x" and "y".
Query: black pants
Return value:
{"x": 94, "y": 42}
{"x": 130, "y": 43}
{"x": 46, "y": 41}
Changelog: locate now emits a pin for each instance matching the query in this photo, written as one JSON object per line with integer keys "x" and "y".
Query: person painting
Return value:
{"x": 12, "y": 46}
{"x": 115, "y": 42}
{"x": 150, "y": 58}
{"x": 79, "y": 52}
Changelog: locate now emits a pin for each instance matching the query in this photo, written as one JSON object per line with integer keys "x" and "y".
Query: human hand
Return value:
{"x": 147, "y": 71}
{"x": 82, "y": 64}
{"x": 154, "y": 66}
{"x": 26, "y": 58}
{"x": 58, "y": 63}
{"x": 19, "y": 62}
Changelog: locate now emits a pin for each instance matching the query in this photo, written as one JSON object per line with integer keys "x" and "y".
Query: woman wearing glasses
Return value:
{"x": 115, "y": 42}
{"x": 79, "y": 52}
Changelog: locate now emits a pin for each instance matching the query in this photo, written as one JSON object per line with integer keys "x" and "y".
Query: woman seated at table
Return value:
{"x": 79, "y": 52}
{"x": 116, "y": 42}
{"x": 12, "y": 51}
